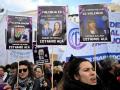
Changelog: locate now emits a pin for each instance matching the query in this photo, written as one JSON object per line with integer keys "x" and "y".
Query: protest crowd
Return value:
{"x": 35, "y": 77}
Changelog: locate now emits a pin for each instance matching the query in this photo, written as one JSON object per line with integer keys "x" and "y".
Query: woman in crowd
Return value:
{"x": 80, "y": 75}
{"x": 3, "y": 75}
{"x": 48, "y": 72}
{"x": 40, "y": 83}
{"x": 13, "y": 74}
{"x": 110, "y": 75}
{"x": 26, "y": 80}
{"x": 57, "y": 74}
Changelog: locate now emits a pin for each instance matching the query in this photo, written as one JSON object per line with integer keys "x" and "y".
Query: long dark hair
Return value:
{"x": 58, "y": 24}
{"x": 73, "y": 67}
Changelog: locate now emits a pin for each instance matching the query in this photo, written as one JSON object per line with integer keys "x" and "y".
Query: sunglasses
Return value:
{"x": 24, "y": 70}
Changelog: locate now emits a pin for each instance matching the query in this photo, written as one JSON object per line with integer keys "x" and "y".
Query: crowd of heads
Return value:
{"x": 66, "y": 75}
{"x": 25, "y": 75}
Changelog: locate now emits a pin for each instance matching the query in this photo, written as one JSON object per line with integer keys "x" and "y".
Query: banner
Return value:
{"x": 94, "y": 51}
{"x": 19, "y": 55}
{"x": 19, "y": 32}
{"x": 79, "y": 49}
{"x": 113, "y": 47}
{"x": 3, "y": 52}
{"x": 94, "y": 23}
{"x": 51, "y": 27}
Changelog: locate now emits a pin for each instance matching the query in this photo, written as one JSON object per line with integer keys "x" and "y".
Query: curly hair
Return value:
{"x": 30, "y": 69}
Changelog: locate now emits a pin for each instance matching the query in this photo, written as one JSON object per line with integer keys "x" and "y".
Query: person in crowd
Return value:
{"x": 3, "y": 75}
{"x": 117, "y": 72}
{"x": 57, "y": 74}
{"x": 26, "y": 77}
{"x": 80, "y": 75}
{"x": 57, "y": 29}
{"x": 8, "y": 68}
{"x": 46, "y": 31}
{"x": 40, "y": 83}
{"x": 47, "y": 71}
{"x": 13, "y": 76}
{"x": 110, "y": 73}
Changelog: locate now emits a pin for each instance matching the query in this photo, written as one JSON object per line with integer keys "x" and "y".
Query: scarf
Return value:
{"x": 26, "y": 84}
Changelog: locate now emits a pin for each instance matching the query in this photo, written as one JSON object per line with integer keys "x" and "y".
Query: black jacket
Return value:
{"x": 39, "y": 84}
{"x": 110, "y": 80}
{"x": 77, "y": 85}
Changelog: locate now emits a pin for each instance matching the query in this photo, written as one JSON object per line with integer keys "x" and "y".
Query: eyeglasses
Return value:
{"x": 24, "y": 70}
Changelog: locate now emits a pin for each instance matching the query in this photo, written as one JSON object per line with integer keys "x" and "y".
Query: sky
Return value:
{"x": 26, "y": 5}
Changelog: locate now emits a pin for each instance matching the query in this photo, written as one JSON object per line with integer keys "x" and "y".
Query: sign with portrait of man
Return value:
{"x": 94, "y": 23}
{"x": 41, "y": 55}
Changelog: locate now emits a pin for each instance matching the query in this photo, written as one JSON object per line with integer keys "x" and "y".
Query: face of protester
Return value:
{"x": 38, "y": 73}
{"x": 48, "y": 65}
{"x": 14, "y": 72}
{"x": 23, "y": 71}
{"x": 1, "y": 72}
{"x": 117, "y": 65}
{"x": 87, "y": 74}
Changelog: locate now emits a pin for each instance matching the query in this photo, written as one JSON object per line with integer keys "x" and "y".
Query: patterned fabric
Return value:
{"x": 26, "y": 84}
{"x": 42, "y": 79}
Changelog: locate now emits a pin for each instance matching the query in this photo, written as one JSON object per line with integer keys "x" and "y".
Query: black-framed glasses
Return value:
{"x": 24, "y": 70}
